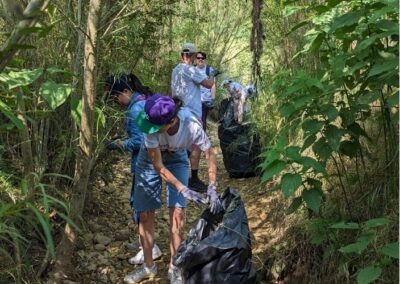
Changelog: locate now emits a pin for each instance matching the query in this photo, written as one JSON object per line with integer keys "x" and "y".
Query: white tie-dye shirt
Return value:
{"x": 185, "y": 84}
{"x": 190, "y": 133}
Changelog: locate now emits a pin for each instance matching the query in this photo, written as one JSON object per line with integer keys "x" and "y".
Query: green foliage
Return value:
{"x": 323, "y": 140}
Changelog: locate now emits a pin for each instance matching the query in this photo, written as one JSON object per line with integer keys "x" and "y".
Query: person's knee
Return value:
{"x": 146, "y": 217}
{"x": 177, "y": 220}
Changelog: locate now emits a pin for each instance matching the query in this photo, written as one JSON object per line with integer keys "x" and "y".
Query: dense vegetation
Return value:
{"x": 326, "y": 113}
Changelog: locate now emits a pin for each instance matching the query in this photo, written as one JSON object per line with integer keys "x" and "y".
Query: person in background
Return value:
{"x": 169, "y": 131}
{"x": 186, "y": 80}
{"x": 238, "y": 94}
{"x": 129, "y": 92}
{"x": 207, "y": 95}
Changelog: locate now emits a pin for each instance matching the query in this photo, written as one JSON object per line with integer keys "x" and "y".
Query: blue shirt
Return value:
{"x": 132, "y": 144}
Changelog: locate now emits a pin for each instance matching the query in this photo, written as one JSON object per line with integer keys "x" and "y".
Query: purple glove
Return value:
{"x": 193, "y": 196}
{"x": 215, "y": 203}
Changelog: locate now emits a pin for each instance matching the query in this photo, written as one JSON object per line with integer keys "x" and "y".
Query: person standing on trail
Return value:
{"x": 185, "y": 84}
{"x": 128, "y": 91}
{"x": 207, "y": 95}
{"x": 169, "y": 131}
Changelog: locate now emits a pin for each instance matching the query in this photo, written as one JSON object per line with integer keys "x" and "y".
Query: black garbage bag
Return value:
{"x": 240, "y": 150}
{"x": 226, "y": 113}
{"x": 218, "y": 247}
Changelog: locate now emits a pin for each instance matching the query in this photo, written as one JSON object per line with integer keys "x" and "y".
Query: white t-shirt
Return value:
{"x": 190, "y": 133}
{"x": 185, "y": 84}
{"x": 205, "y": 92}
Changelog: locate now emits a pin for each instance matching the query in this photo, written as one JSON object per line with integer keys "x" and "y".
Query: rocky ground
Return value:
{"x": 102, "y": 253}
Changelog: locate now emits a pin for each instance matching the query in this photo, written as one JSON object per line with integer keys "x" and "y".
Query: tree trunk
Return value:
{"x": 84, "y": 156}
{"x": 29, "y": 19}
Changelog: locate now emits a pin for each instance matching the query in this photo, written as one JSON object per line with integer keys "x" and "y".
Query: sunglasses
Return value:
{"x": 200, "y": 58}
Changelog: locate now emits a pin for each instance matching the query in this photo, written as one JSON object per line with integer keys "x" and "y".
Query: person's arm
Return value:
{"x": 165, "y": 174}
{"x": 213, "y": 90}
{"x": 211, "y": 165}
{"x": 135, "y": 135}
{"x": 208, "y": 83}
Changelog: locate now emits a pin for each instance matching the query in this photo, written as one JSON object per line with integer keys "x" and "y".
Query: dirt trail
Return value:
{"x": 102, "y": 254}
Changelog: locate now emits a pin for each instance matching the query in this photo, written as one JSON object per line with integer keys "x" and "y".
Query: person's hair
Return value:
{"x": 116, "y": 84}
{"x": 178, "y": 105}
{"x": 202, "y": 54}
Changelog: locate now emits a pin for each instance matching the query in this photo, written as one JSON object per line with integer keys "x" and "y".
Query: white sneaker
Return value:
{"x": 139, "y": 257}
{"x": 175, "y": 275}
{"x": 142, "y": 272}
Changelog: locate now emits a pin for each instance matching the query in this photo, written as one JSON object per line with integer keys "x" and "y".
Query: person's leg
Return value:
{"x": 177, "y": 222}
{"x": 195, "y": 183}
{"x": 146, "y": 233}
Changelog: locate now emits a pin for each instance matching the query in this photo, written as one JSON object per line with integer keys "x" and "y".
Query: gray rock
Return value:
{"x": 99, "y": 247}
{"x": 101, "y": 239}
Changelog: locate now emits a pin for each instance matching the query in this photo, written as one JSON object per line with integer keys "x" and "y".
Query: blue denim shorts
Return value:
{"x": 147, "y": 193}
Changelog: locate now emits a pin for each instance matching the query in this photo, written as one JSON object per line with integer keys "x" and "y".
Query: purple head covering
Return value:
{"x": 159, "y": 110}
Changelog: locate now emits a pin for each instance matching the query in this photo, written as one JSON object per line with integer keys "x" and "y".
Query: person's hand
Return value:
{"x": 215, "y": 203}
{"x": 193, "y": 196}
{"x": 114, "y": 144}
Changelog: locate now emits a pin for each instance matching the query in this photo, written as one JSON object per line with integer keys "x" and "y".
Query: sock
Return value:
{"x": 194, "y": 175}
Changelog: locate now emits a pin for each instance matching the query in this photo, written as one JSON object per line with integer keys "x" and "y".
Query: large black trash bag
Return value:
{"x": 240, "y": 150}
{"x": 226, "y": 112}
{"x": 217, "y": 249}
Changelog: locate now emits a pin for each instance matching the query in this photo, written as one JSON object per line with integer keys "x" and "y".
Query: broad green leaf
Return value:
{"x": 356, "y": 130}
{"x": 269, "y": 156}
{"x": 20, "y": 78}
{"x": 6, "y": 110}
{"x": 54, "y": 94}
{"x": 292, "y": 152}
{"x": 377, "y": 222}
{"x": 309, "y": 162}
{"x": 382, "y": 67}
{"x": 330, "y": 111}
{"x": 347, "y": 19}
{"x": 368, "y": 274}
{"x": 308, "y": 142}
{"x": 312, "y": 198}
{"x": 333, "y": 135}
{"x": 289, "y": 10}
{"x": 274, "y": 168}
{"x": 368, "y": 98}
{"x": 347, "y": 116}
{"x": 294, "y": 205}
{"x": 300, "y": 101}
{"x": 76, "y": 110}
{"x": 311, "y": 126}
{"x": 290, "y": 183}
{"x": 391, "y": 250}
{"x": 322, "y": 149}
{"x": 345, "y": 225}
{"x": 287, "y": 110}
{"x": 393, "y": 100}
{"x": 349, "y": 148}
{"x": 314, "y": 40}
{"x": 353, "y": 248}
{"x": 369, "y": 41}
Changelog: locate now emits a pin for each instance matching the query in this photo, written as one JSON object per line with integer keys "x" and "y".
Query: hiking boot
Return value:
{"x": 197, "y": 185}
{"x": 141, "y": 273}
{"x": 175, "y": 275}
{"x": 139, "y": 257}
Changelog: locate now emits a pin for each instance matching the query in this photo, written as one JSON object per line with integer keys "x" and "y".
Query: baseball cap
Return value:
{"x": 158, "y": 111}
{"x": 188, "y": 48}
